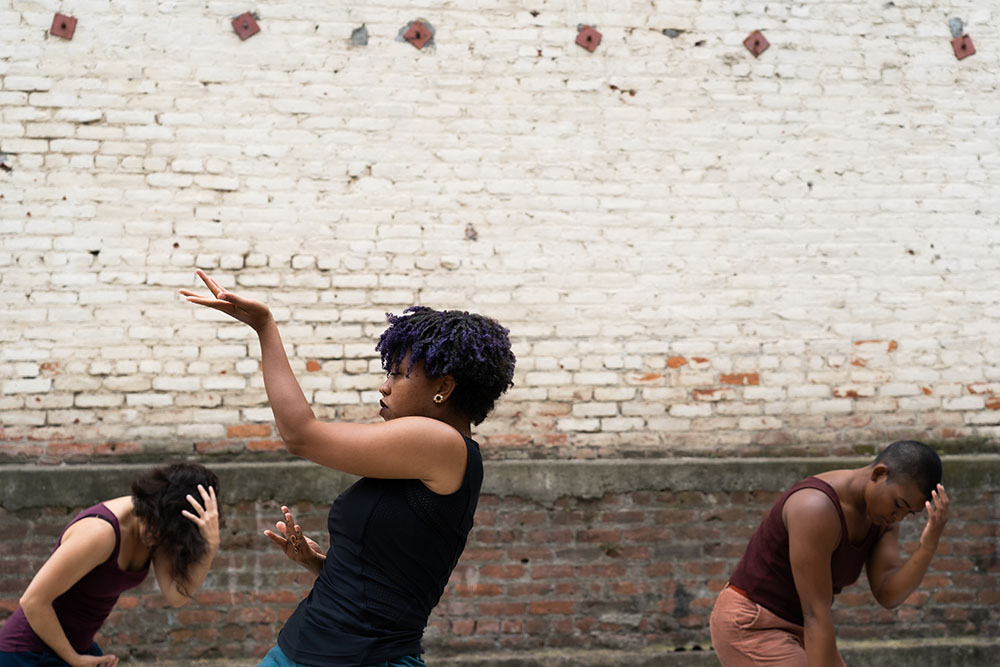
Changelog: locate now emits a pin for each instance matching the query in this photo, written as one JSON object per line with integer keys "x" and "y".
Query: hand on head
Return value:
{"x": 248, "y": 311}
{"x": 206, "y": 515}
{"x": 937, "y": 517}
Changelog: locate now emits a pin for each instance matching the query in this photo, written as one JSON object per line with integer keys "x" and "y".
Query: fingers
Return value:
{"x": 277, "y": 539}
{"x": 209, "y": 282}
{"x": 194, "y": 503}
{"x": 292, "y": 531}
{"x": 214, "y": 287}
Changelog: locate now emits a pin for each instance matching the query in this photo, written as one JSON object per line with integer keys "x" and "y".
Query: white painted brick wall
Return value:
{"x": 793, "y": 252}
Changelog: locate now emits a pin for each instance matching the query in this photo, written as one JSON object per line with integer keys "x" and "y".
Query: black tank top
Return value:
{"x": 393, "y": 545}
{"x": 765, "y": 571}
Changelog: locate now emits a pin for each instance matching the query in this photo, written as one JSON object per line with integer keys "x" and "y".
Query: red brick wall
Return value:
{"x": 623, "y": 569}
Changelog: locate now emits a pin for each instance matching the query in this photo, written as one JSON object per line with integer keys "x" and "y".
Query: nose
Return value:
{"x": 384, "y": 388}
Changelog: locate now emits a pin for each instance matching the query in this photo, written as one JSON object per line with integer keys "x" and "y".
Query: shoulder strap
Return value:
{"x": 828, "y": 490}
{"x": 99, "y": 511}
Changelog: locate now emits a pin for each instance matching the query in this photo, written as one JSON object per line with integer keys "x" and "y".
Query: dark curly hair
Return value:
{"x": 158, "y": 497}
{"x": 473, "y": 349}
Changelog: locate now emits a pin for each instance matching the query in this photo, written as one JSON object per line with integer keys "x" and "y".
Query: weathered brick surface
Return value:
{"x": 725, "y": 254}
{"x": 581, "y": 555}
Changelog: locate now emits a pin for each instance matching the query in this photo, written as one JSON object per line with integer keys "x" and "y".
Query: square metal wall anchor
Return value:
{"x": 963, "y": 47}
{"x": 588, "y": 38}
{"x": 63, "y": 26}
{"x": 418, "y": 34}
{"x": 245, "y": 26}
{"x": 756, "y": 43}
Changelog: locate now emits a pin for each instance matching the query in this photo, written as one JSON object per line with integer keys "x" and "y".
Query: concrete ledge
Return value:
{"x": 31, "y": 486}
{"x": 963, "y": 652}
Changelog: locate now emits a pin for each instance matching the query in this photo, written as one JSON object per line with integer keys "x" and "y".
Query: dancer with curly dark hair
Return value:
{"x": 107, "y": 549}
{"x": 396, "y": 534}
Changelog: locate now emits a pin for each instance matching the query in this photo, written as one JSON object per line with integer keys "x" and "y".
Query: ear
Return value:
{"x": 880, "y": 472}
{"x": 444, "y": 386}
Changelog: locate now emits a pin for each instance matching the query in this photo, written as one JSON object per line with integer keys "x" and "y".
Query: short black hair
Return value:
{"x": 914, "y": 461}
{"x": 158, "y": 497}
{"x": 473, "y": 349}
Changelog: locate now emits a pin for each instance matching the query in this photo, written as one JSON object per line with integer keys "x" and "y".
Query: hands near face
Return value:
{"x": 295, "y": 545}
{"x": 937, "y": 517}
{"x": 206, "y": 515}
{"x": 248, "y": 311}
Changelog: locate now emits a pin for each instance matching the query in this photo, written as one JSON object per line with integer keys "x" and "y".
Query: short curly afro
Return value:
{"x": 473, "y": 349}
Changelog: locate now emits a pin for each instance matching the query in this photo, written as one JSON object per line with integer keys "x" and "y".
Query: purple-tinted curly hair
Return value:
{"x": 473, "y": 349}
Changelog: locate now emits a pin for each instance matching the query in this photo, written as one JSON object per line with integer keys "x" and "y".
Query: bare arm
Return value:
{"x": 891, "y": 578}
{"x": 405, "y": 448}
{"x": 206, "y": 517}
{"x": 85, "y": 545}
{"x": 813, "y": 534}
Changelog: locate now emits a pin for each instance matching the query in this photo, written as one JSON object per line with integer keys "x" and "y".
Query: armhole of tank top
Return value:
{"x": 833, "y": 501}
{"x": 469, "y": 442}
{"x": 118, "y": 534}
{"x": 95, "y": 515}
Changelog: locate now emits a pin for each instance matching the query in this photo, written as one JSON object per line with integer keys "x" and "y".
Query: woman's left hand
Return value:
{"x": 206, "y": 515}
{"x": 294, "y": 543}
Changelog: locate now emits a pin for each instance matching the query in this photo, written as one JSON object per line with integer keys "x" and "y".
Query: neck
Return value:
{"x": 463, "y": 426}
{"x": 855, "y": 488}
{"x": 453, "y": 419}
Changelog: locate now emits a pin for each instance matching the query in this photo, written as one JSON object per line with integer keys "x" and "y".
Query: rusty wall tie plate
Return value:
{"x": 756, "y": 43}
{"x": 963, "y": 47}
{"x": 63, "y": 26}
{"x": 245, "y": 26}
{"x": 418, "y": 34}
{"x": 588, "y": 38}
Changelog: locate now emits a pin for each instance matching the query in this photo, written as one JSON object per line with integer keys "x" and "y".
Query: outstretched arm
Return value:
{"x": 891, "y": 578}
{"x": 85, "y": 545}
{"x": 404, "y": 448}
{"x": 206, "y": 516}
{"x": 813, "y": 534}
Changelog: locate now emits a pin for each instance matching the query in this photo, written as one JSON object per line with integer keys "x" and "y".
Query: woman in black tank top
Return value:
{"x": 396, "y": 534}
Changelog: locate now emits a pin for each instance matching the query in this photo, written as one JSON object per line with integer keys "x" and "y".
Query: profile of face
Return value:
{"x": 889, "y": 501}
{"x": 408, "y": 394}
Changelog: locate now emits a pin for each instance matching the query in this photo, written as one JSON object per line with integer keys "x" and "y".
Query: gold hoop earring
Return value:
{"x": 439, "y": 399}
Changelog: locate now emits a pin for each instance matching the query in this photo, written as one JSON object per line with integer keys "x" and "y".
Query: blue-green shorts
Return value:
{"x": 277, "y": 658}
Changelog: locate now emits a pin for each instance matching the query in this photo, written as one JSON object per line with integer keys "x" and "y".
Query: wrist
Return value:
{"x": 265, "y": 323}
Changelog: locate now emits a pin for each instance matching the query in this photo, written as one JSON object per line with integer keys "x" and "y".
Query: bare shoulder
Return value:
{"x": 90, "y": 534}
{"x": 428, "y": 430}
{"x": 810, "y": 501}
{"x": 811, "y": 513}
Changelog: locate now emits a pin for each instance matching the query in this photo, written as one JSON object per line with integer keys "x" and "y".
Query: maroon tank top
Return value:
{"x": 83, "y": 608}
{"x": 765, "y": 571}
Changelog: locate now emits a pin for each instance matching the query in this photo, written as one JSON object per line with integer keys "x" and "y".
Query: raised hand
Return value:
{"x": 937, "y": 517}
{"x": 294, "y": 544}
{"x": 206, "y": 515}
{"x": 248, "y": 311}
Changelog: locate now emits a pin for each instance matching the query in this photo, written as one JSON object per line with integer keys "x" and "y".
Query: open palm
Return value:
{"x": 248, "y": 311}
